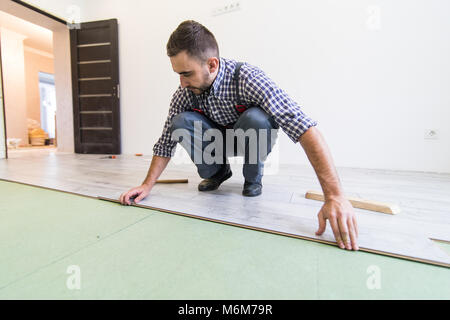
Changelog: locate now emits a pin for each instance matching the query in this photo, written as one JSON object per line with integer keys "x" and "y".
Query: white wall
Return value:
{"x": 2, "y": 123}
{"x": 373, "y": 82}
{"x": 63, "y": 86}
{"x": 14, "y": 85}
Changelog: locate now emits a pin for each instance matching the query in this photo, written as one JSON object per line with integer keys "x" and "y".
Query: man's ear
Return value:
{"x": 213, "y": 64}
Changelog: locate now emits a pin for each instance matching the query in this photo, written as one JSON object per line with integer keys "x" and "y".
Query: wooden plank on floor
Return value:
{"x": 280, "y": 209}
{"x": 359, "y": 203}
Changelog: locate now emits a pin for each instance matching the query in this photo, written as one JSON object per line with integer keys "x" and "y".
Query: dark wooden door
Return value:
{"x": 95, "y": 85}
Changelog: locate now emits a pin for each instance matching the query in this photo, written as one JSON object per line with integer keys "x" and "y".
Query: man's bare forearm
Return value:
{"x": 156, "y": 168}
{"x": 320, "y": 157}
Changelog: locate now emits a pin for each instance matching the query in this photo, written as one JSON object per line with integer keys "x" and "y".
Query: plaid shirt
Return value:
{"x": 218, "y": 103}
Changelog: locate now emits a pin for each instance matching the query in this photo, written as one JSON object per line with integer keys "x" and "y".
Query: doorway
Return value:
{"x": 28, "y": 67}
{"x": 48, "y": 105}
{"x": 37, "y": 86}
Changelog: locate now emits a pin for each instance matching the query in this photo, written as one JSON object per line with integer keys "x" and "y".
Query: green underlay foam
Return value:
{"x": 126, "y": 252}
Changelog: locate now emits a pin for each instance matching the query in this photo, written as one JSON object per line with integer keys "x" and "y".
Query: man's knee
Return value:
{"x": 254, "y": 118}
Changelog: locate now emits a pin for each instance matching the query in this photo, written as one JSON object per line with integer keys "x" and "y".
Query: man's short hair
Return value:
{"x": 195, "y": 38}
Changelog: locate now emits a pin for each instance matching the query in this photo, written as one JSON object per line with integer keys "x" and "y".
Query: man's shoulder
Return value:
{"x": 247, "y": 69}
{"x": 247, "y": 72}
{"x": 180, "y": 97}
{"x": 180, "y": 91}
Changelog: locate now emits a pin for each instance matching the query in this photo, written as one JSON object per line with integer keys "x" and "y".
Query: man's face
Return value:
{"x": 194, "y": 75}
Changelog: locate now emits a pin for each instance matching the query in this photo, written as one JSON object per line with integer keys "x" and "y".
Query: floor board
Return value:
{"x": 423, "y": 198}
{"x": 133, "y": 253}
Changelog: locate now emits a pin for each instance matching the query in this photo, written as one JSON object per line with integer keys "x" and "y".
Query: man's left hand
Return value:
{"x": 342, "y": 220}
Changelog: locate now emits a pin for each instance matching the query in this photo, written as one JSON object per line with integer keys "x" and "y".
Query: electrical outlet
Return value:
{"x": 226, "y": 8}
{"x": 432, "y": 134}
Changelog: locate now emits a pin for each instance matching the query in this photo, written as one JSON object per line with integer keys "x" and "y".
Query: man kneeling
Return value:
{"x": 220, "y": 97}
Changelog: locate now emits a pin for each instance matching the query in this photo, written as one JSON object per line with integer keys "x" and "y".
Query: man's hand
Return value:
{"x": 156, "y": 168}
{"x": 138, "y": 193}
{"x": 342, "y": 220}
{"x": 337, "y": 208}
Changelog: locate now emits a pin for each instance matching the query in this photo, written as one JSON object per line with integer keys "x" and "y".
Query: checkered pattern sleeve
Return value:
{"x": 262, "y": 91}
{"x": 165, "y": 146}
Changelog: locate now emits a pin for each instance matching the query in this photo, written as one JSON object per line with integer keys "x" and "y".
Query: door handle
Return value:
{"x": 116, "y": 91}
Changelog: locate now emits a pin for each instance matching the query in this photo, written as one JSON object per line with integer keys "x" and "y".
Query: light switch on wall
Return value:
{"x": 226, "y": 8}
{"x": 432, "y": 134}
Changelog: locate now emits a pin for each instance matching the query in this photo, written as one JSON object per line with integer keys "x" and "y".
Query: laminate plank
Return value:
{"x": 359, "y": 203}
{"x": 281, "y": 209}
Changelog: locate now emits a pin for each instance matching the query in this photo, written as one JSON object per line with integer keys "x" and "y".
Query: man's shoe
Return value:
{"x": 252, "y": 189}
{"x": 215, "y": 181}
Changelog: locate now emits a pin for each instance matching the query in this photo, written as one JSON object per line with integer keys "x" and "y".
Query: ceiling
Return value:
{"x": 37, "y": 37}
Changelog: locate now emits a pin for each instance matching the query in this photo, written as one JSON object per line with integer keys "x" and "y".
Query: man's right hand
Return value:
{"x": 156, "y": 168}
{"x": 138, "y": 193}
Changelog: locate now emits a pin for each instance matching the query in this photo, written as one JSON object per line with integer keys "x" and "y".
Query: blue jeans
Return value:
{"x": 252, "y": 118}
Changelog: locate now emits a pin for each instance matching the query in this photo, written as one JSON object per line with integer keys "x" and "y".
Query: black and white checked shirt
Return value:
{"x": 218, "y": 104}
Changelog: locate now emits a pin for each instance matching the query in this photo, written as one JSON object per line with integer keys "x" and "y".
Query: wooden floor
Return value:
{"x": 282, "y": 208}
